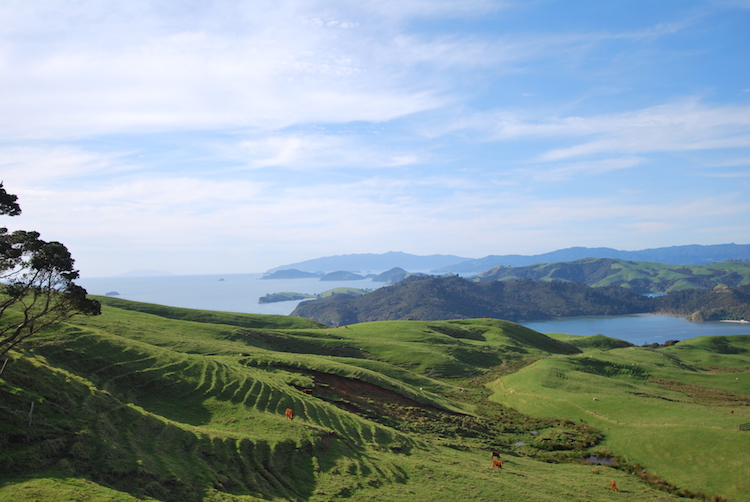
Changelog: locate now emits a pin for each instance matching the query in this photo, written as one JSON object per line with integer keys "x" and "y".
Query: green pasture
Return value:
{"x": 668, "y": 409}
{"x": 679, "y": 276}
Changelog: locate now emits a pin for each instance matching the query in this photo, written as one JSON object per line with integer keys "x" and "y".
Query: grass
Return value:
{"x": 148, "y": 402}
{"x": 665, "y": 409}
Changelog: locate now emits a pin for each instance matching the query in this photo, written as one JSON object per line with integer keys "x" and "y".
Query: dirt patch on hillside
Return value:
{"x": 357, "y": 396}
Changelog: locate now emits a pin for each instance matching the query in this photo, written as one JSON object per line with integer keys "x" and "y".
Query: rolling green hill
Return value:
{"x": 147, "y": 402}
{"x": 642, "y": 277}
{"x": 676, "y": 410}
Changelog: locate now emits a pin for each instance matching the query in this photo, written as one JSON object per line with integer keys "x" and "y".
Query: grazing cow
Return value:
{"x": 494, "y": 454}
{"x": 289, "y": 414}
{"x": 497, "y": 463}
{"x": 613, "y": 486}
{"x": 731, "y": 412}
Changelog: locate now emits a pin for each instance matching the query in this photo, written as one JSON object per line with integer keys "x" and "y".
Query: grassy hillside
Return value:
{"x": 640, "y": 276}
{"x": 676, "y": 409}
{"x": 156, "y": 403}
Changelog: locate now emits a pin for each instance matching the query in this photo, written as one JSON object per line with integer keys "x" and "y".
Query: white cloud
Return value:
{"x": 680, "y": 126}
{"x": 100, "y": 72}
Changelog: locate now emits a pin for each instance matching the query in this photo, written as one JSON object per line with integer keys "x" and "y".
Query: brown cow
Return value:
{"x": 289, "y": 414}
{"x": 494, "y": 454}
{"x": 613, "y": 486}
{"x": 497, "y": 463}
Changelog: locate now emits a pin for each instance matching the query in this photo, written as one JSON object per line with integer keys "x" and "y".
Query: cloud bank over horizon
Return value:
{"x": 230, "y": 136}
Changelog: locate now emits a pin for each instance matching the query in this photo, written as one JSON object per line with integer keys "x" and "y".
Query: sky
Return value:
{"x": 218, "y": 136}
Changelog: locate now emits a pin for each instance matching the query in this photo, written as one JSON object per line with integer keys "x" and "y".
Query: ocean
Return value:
{"x": 226, "y": 292}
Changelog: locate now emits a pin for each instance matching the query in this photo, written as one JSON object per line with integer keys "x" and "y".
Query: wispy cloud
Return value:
{"x": 273, "y": 131}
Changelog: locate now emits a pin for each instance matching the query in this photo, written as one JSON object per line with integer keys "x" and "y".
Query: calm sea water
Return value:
{"x": 235, "y": 293}
{"x": 639, "y": 328}
{"x": 240, "y": 293}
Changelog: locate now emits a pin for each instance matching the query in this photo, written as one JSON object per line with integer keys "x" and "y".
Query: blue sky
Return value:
{"x": 227, "y": 136}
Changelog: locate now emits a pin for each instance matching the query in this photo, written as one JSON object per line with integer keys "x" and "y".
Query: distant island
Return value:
{"x": 291, "y": 273}
{"x": 286, "y": 296}
{"x": 342, "y": 275}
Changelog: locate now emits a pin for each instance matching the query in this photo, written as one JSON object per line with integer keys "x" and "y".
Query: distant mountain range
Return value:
{"x": 369, "y": 262}
{"x": 440, "y": 264}
{"x": 693, "y": 254}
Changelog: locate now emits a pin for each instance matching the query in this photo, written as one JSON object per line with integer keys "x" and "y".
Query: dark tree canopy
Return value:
{"x": 36, "y": 282}
{"x": 8, "y": 204}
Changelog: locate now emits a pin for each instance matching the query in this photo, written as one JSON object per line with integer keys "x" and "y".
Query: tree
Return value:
{"x": 36, "y": 282}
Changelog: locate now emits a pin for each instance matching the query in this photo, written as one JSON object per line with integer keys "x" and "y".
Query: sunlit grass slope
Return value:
{"x": 676, "y": 410}
{"x": 147, "y": 402}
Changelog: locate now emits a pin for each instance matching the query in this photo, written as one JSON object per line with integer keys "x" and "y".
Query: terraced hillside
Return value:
{"x": 155, "y": 403}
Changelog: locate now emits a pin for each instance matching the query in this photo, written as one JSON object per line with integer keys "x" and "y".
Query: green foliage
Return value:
{"x": 36, "y": 283}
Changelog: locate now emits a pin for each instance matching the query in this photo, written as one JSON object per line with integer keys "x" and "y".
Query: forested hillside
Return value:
{"x": 715, "y": 305}
{"x": 433, "y": 298}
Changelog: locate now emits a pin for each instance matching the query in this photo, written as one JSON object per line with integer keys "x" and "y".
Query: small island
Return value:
{"x": 284, "y": 297}
{"x": 342, "y": 275}
{"x": 291, "y": 273}
{"x": 287, "y": 296}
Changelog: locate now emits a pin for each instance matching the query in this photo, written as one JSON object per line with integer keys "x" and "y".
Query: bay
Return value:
{"x": 638, "y": 329}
